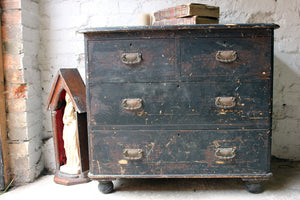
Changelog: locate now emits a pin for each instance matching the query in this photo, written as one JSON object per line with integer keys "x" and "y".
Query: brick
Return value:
{"x": 16, "y": 120}
{"x": 30, "y": 18}
{"x": 288, "y": 45}
{"x": 16, "y": 105}
{"x": 31, "y": 5}
{"x": 49, "y": 155}
{"x": 20, "y": 91}
{"x": 66, "y": 8}
{"x": 18, "y": 149}
{"x": 31, "y": 35}
{"x": 289, "y": 139}
{"x": 11, "y": 32}
{"x": 31, "y": 48}
{"x": 11, "y": 17}
{"x": 17, "y": 133}
{"x": 13, "y": 47}
{"x": 35, "y": 104}
{"x": 286, "y": 151}
{"x": 14, "y": 76}
{"x": 21, "y": 177}
{"x": 10, "y": 4}
{"x": 35, "y": 129}
{"x": 37, "y": 168}
{"x": 26, "y": 132}
{"x": 33, "y": 94}
{"x": 16, "y": 91}
{"x": 47, "y": 125}
{"x": 35, "y": 151}
{"x": 286, "y": 126}
{"x": 11, "y": 61}
{"x": 19, "y": 163}
{"x": 20, "y": 170}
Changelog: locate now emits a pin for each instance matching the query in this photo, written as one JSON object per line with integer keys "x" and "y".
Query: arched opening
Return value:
{"x": 60, "y": 108}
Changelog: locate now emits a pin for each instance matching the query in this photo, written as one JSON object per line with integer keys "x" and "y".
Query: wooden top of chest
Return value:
{"x": 121, "y": 29}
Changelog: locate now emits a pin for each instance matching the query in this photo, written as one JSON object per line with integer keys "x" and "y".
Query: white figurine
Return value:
{"x": 70, "y": 139}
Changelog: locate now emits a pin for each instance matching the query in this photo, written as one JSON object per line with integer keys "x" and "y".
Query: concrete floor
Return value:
{"x": 285, "y": 184}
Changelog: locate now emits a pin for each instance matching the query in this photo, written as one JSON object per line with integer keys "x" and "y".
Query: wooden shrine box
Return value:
{"x": 69, "y": 81}
{"x": 189, "y": 101}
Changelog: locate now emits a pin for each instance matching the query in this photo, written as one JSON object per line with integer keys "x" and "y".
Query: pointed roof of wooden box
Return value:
{"x": 70, "y": 81}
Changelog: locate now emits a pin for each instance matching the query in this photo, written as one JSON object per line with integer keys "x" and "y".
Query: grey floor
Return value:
{"x": 285, "y": 184}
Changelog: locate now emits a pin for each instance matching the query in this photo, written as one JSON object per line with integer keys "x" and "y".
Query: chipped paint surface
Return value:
{"x": 199, "y": 114}
{"x": 183, "y": 150}
{"x": 98, "y": 164}
{"x": 123, "y": 162}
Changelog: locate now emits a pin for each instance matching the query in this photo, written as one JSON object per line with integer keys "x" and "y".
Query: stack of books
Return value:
{"x": 191, "y": 13}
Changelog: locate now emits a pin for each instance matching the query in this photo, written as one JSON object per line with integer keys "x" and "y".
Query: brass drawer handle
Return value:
{"x": 226, "y": 56}
{"x": 131, "y": 58}
{"x": 133, "y": 154}
{"x": 132, "y": 104}
{"x": 225, "y": 102}
{"x": 225, "y": 153}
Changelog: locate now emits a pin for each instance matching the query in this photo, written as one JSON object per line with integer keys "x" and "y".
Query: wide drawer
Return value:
{"x": 184, "y": 152}
{"x": 173, "y": 105}
{"x": 142, "y": 60}
{"x": 226, "y": 57}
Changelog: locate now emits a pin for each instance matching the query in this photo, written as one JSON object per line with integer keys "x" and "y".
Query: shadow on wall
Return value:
{"x": 286, "y": 87}
{"x": 286, "y": 115}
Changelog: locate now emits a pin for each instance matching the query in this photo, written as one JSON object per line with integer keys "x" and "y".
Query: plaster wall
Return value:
{"x": 61, "y": 46}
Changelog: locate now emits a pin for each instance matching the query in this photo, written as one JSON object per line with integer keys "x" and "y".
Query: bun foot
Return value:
{"x": 106, "y": 187}
{"x": 253, "y": 187}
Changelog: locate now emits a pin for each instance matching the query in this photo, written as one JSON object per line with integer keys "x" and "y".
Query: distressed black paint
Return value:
{"x": 181, "y": 103}
{"x": 179, "y": 128}
{"x": 181, "y": 152}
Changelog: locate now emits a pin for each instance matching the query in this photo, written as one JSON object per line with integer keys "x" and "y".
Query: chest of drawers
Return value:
{"x": 180, "y": 102}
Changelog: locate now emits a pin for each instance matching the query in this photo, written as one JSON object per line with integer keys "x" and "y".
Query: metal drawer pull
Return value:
{"x": 226, "y": 56}
{"x": 225, "y": 102}
{"x": 225, "y": 153}
{"x": 132, "y": 104}
{"x": 131, "y": 58}
{"x": 133, "y": 154}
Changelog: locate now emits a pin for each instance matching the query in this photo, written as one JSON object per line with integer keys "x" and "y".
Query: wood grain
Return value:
{"x": 179, "y": 128}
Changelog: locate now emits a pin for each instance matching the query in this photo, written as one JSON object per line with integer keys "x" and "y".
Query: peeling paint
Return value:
{"x": 123, "y": 162}
{"x": 99, "y": 168}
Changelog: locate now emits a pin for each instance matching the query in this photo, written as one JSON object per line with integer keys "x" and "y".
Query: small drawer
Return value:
{"x": 141, "y": 60}
{"x": 225, "y": 57}
{"x": 169, "y": 105}
{"x": 183, "y": 152}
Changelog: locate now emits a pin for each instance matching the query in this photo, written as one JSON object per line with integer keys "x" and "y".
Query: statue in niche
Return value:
{"x": 70, "y": 137}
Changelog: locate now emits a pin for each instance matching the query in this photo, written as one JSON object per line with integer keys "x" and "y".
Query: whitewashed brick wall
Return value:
{"x": 62, "y": 47}
{"x": 33, "y": 111}
{"x": 20, "y": 28}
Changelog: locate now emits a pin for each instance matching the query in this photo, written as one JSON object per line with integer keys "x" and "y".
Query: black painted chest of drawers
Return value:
{"x": 180, "y": 102}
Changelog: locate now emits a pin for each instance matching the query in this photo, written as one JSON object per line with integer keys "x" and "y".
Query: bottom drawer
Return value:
{"x": 186, "y": 153}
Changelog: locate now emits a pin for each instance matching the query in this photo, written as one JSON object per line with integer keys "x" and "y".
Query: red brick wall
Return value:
{"x": 15, "y": 87}
{"x": 12, "y": 51}
{"x": 20, "y": 41}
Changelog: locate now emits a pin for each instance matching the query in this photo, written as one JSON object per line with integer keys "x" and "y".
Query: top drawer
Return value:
{"x": 141, "y": 60}
{"x": 225, "y": 57}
